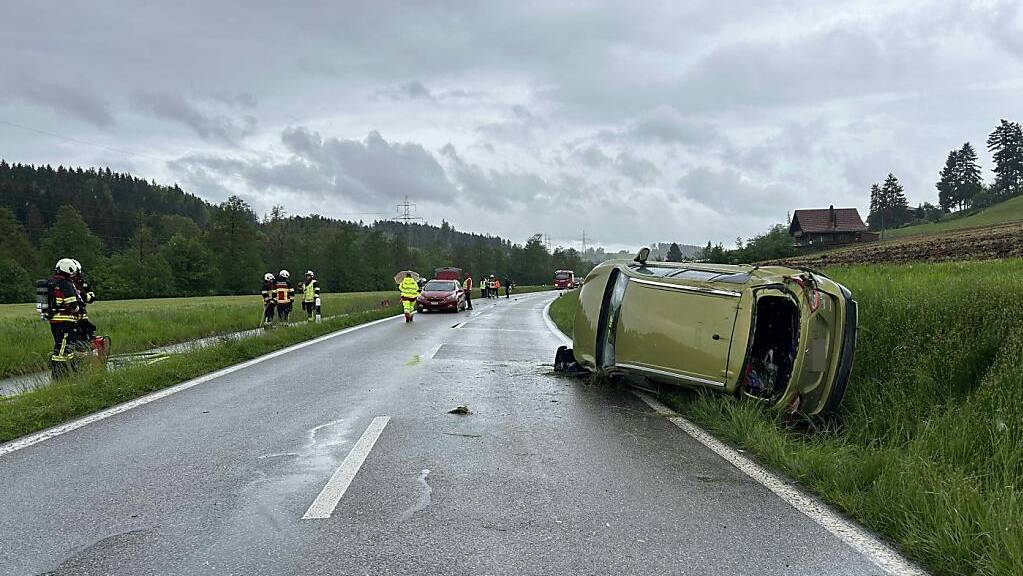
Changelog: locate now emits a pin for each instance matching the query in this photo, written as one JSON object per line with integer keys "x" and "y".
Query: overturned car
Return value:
{"x": 782, "y": 335}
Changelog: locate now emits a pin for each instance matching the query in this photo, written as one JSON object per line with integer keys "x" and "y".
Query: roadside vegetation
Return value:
{"x": 92, "y": 391}
{"x": 562, "y": 311}
{"x": 926, "y": 449}
{"x": 1003, "y": 212}
{"x": 137, "y": 325}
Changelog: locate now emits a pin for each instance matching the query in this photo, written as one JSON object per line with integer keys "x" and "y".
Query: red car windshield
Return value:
{"x": 562, "y": 276}
{"x": 440, "y": 286}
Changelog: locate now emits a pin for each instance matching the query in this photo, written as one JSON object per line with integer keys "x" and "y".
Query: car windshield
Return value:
{"x": 654, "y": 270}
{"x": 696, "y": 275}
{"x": 562, "y": 276}
{"x": 439, "y": 286}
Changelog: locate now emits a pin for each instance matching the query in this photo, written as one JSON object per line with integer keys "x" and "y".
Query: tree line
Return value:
{"x": 960, "y": 185}
{"x": 139, "y": 239}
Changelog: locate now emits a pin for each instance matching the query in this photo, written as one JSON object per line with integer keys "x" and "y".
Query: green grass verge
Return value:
{"x": 928, "y": 451}
{"x": 1009, "y": 211}
{"x": 562, "y": 311}
{"x": 93, "y": 391}
{"x": 137, "y": 325}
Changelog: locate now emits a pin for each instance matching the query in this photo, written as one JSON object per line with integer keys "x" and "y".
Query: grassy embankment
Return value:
{"x": 929, "y": 450}
{"x": 562, "y": 311}
{"x": 137, "y": 325}
{"x": 1009, "y": 211}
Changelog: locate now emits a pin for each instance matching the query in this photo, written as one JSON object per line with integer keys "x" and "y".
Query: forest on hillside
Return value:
{"x": 139, "y": 239}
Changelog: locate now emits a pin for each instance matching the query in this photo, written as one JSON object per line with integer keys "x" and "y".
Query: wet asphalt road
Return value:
{"x": 546, "y": 476}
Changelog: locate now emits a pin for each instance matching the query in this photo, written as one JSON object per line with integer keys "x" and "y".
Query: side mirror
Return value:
{"x": 642, "y": 255}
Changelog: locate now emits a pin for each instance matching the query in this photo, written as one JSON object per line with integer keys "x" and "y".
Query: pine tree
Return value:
{"x": 946, "y": 184}
{"x": 674, "y": 253}
{"x": 1006, "y": 146}
{"x": 875, "y": 217}
{"x": 896, "y": 205}
{"x": 969, "y": 179}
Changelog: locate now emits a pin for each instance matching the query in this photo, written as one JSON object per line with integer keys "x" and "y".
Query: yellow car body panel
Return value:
{"x": 783, "y": 335}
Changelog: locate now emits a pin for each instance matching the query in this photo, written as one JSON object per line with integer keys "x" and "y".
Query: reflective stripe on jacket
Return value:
{"x": 409, "y": 288}
{"x": 312, "y": 291}
{"x": 283, "y": 292}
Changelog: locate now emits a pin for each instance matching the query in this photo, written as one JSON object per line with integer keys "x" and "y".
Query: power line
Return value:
{"x": 80, "y": 141}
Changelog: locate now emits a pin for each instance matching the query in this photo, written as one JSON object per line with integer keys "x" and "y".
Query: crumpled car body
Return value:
{"x": 782, "y": 335}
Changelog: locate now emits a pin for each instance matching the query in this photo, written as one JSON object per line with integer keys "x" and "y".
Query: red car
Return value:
{"x": 441, "y": 295}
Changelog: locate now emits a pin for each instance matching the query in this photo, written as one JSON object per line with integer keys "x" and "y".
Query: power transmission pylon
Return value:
{"x": 583, "y": 242}
{"x": 406, "y": 215}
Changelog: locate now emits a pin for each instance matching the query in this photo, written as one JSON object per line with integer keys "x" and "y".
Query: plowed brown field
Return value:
{"x": 993, "y": 242}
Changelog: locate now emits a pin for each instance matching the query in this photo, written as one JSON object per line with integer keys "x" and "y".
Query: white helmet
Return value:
{"x": 65, "y": 265}
{"x": 78, "y": 266}
{"x": 285, "y": 274}
{"x": 310, "y": 273}
{"x": 268, "y": 277}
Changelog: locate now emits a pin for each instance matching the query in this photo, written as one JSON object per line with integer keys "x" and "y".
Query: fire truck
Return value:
{"x": 564, "y": 279}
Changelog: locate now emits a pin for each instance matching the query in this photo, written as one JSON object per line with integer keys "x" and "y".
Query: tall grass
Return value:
{"x": 928, "y": 446}
{"x": 929, "y": 450}
{"x": 562, "y": 311}
{"x": 136, "y": 325}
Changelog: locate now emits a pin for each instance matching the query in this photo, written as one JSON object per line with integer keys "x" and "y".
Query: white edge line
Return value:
{"x": 327, "y": 500}
{"x": 434, "y": 351}
{"x": 37, "y": 437}
{"x": 845, "y": 530}
{"x": 551, "y": 325}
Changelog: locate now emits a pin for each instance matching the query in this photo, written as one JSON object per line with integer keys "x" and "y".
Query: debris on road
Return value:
{"x": 461, "y": 410}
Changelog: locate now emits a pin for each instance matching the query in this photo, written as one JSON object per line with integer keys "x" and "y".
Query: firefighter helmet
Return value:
{"x": 65, "y": 265}
{"x": 78, "y": 266}
{"x": 268, "y": 277}
{"x": 285, "y": 274}
{"x": 310, "y": 274}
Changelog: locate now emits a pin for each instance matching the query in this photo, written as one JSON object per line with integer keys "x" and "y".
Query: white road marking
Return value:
{"x": 845, "y": 530}
{"x": 434, "y": 351}
{"x": 42, "y": 435}
{"x": 324, "y": 504}
{"x": 552, "y": 326}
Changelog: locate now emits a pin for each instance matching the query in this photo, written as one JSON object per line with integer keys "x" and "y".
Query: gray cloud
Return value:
{"x": 640, "y": 170}
{"x": 79, "y": 101}
{"x": 666, "y": 125}
{"x": 560, "y": 115}
{"x": 411, "y": 90}
{"x": 174, "y": 107}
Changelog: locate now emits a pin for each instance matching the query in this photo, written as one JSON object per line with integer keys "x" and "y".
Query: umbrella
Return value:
{"x": 400, "y": 275}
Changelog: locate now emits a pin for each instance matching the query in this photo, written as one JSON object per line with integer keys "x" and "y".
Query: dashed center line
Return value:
{"x": 324, "y": 505}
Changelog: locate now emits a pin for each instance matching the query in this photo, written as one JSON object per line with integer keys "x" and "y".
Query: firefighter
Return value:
{"x": 284, "y": 295}
{"x": 268, "y": 298}
{"x": 64, "y": 313}
{"x": 409, "y": 289}
{"x": 467, "y": 287}
{"x": 507, "y": 287}
{"x": 311, "y": 296}
{"x": 87, "y": 330}
{"x": 492, "y": 287}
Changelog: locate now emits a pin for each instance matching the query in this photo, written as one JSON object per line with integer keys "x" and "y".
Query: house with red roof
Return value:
{"x": 821, "y": 227}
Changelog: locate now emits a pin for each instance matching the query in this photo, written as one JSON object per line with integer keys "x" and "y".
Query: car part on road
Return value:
{"x": 461, "y": 410}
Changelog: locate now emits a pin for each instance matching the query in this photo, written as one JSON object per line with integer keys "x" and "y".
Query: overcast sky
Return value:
{"x": 637, "y": 122}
